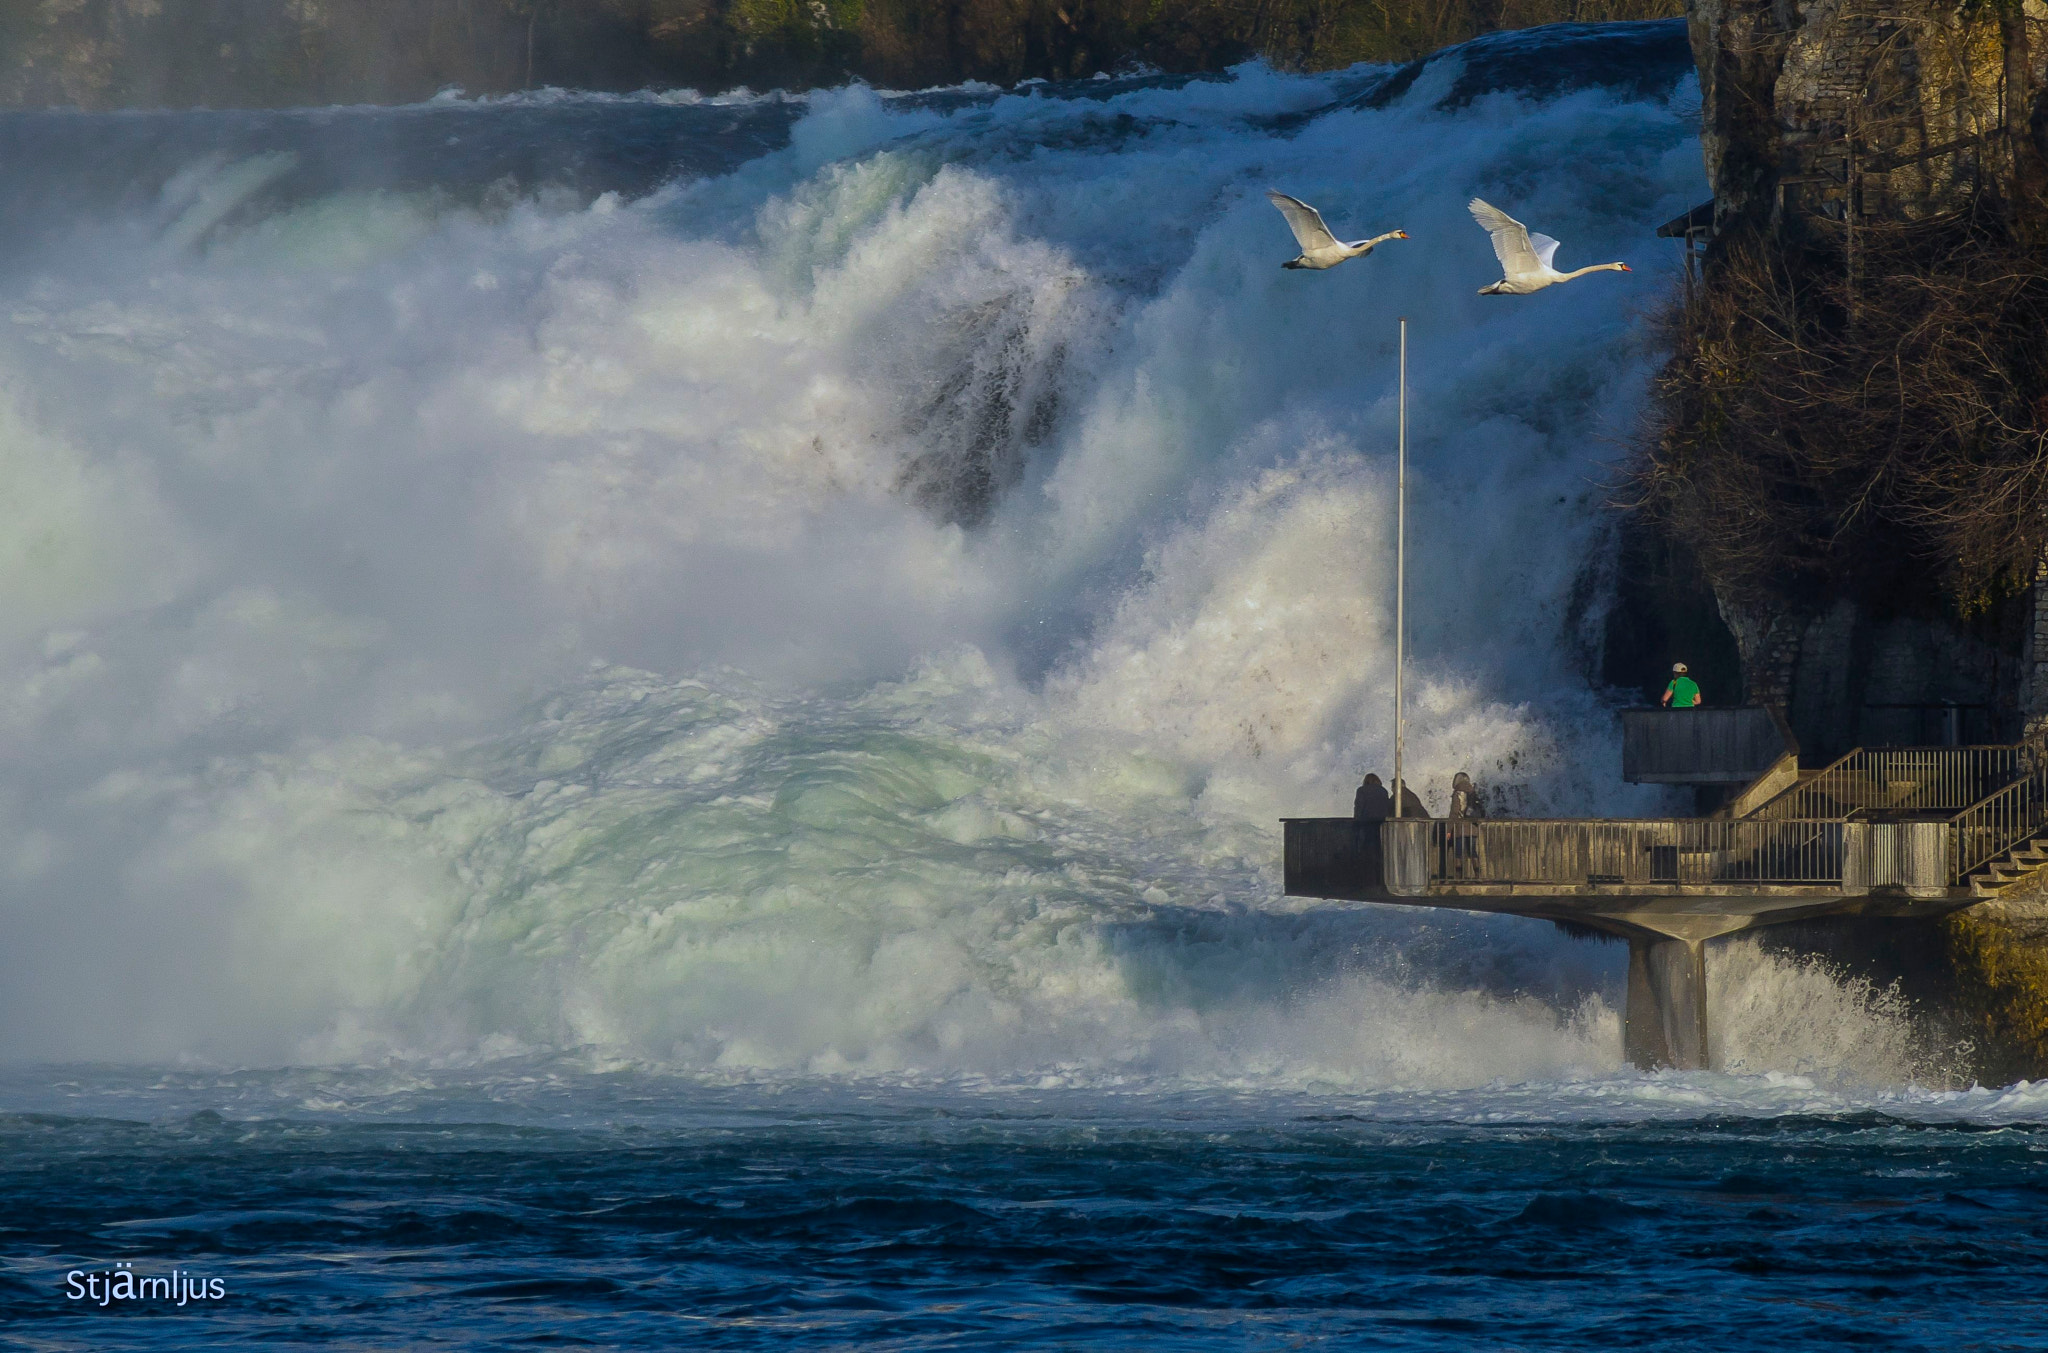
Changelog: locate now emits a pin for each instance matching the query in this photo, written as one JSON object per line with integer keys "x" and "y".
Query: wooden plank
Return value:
{"x": 1732, "y": 745}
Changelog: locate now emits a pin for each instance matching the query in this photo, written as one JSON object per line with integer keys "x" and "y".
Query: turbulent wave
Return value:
{"x": 849, "y": 594}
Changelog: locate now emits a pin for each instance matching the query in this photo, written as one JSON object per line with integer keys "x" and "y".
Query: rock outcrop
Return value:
{"x": 1849, "y": 111}
{"x": 1854, "y": 417}
{"x": 1856, "y": 407}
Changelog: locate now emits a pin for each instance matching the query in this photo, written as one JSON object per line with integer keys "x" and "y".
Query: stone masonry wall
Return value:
{"x": 1795, "y": 95}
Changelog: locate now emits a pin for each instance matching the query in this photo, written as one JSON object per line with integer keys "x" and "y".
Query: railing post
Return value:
{"x": 1859, "y": 839}
{"x": 1404, "y": 845}
{"x": 1924, "y": 858}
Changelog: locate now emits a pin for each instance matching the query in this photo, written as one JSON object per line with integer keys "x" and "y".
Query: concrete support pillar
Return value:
{"x": 1664, "y": 1021}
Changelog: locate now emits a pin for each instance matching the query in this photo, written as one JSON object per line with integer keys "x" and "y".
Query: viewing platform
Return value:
{"x": 1879, "y": 833}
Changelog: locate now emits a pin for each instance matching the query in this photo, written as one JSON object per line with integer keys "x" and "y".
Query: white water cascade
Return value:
{"x": 856, "y": 610}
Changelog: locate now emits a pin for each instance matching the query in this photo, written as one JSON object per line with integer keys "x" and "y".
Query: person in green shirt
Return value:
{"x": 1682, "y": 692}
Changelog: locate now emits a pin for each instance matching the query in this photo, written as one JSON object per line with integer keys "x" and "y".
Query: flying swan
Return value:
{"x": 1319, "y": 248}
{"x": 1524, "y": 258}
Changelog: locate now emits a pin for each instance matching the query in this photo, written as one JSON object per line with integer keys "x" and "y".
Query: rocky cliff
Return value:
{"x": 1852, "y": 443}
{"x": 1854, "y": 426}
{"x": 1852, "y": 111}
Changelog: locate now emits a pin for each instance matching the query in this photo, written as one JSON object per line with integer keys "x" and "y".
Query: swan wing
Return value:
{"x": 1510, "y": 238}
{"x": 1546, "y": 249}
{"x": 1305, "y": 221}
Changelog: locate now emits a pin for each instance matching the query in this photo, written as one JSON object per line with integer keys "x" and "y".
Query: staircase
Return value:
{"x": 2020, "y": 862}
{"x": 1872, "y": 781}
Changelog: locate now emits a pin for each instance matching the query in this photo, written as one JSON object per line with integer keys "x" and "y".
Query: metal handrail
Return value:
{"x": 1902, "y": 780}
{"x": 1996, "y": 823}
{"x": 1568, "y": 852}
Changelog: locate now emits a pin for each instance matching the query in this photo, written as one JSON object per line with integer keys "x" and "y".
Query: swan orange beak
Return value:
{"x": 1400, "y": 234}
{"x": 1626, "y": 268}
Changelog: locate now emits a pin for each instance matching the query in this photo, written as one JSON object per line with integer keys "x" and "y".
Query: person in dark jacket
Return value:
{"x": 1462, "y": 836}
{"x": 1372, "y": 803}
{"x": 1411, "y": 802}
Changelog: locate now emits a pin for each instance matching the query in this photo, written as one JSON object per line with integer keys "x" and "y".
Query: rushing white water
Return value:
{"x": 861, "y": 612}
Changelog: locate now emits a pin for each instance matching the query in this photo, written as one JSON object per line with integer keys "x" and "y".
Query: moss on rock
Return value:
{"x": 1998, "y": 952}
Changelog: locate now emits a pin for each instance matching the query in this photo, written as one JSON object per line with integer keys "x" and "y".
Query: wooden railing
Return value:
{"x": 1575, "y": 853}
{"x": 1901, "y": 780}
{"x": 1722, "y": 745}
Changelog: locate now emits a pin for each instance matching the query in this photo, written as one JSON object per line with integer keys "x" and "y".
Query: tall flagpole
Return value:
{"x": 1400, "y": 568}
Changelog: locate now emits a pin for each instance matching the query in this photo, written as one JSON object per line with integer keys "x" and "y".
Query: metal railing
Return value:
{"x": 1920, "y": 820}
{"x": 1901, "y": 780}
{"x": 1996, "y": 823}
{"x": 1574, "y": 853}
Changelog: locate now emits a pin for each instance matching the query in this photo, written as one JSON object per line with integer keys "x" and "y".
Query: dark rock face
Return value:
{"x": 995, "y": 402}
{"x": 1871, "y": 164}
{"x": 1862, "y": 680}
{"x": 1868, "y": 173}
{"x": 1839, "y": 107}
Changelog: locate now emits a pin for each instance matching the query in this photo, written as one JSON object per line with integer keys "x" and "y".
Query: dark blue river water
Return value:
{"x": 632, "y": 1210}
